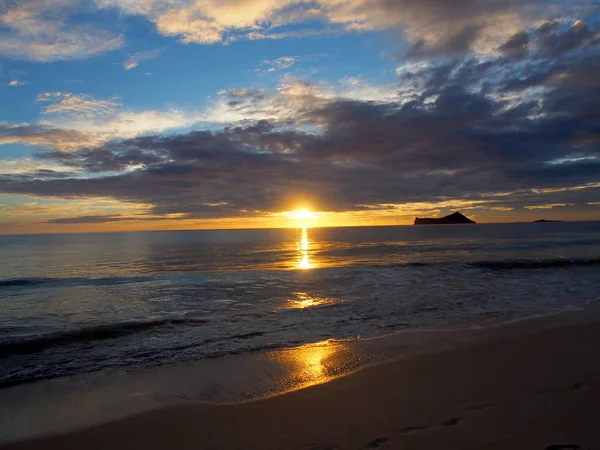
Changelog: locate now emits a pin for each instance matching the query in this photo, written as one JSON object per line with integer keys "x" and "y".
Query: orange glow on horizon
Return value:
{"x": 127, "y": 218}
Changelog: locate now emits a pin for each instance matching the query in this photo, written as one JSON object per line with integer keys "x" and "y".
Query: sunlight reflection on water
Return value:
{"x": 305, "y": 261}
{"x": 305, "y": 300}
{"x": 304, "y": 246}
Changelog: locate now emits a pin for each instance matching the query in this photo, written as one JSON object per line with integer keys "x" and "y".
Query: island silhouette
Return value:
{"x": 446, "y": 220}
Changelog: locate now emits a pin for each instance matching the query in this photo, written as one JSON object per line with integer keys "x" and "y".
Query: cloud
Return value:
{"x": 282, "y": 63}
{"x": 45, "y": 136}
{"x": 552, "y": 43}
{"x": 510, "y": 132}
{"x": 76, "y": 106}
{"x": 38, "y": 30}
{"x": 458, "y": 43}
{"x": 433, "y": 27}
{"x": 31, "y": 210}
{"x": 517, "y": 46}
{"x": 451, "y": 142}
{"x": 44, "y": 169}
{"x": 124, "y": 123}
{"x": 75, "y": 121}
{"x": 292, "y": 96}
{"x": 43, "y": 30}
{"x": 15, "y": 83}
{"x": 547, "y": 206}
{"x": 135, "y": 59}
{"x": 102, "y": 120}
{"x": 96, "y": 219}
{"x": 436, "y": 27}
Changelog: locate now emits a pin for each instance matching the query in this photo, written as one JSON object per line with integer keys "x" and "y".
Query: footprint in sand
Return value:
{"x": 324, "y": 447}
{"x": 413, "y": 429}
{"x": 453, "y": 421}
{"x": 377, "y": 442}
{"x": 479, "y": 407}
{"x": 563, "y": 447}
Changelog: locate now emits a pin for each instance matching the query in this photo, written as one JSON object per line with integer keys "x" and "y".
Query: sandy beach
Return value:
{"x": 538, "y": 390}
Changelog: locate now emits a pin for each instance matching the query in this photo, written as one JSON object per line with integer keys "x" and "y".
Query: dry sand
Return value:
{"x": 537, "y": 391}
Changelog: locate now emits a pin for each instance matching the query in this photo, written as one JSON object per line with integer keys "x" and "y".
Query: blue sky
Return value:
{"x": 196, "y": 113}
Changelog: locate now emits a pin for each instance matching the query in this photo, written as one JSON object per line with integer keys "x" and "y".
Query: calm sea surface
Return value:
{"x": 99, "y": 302}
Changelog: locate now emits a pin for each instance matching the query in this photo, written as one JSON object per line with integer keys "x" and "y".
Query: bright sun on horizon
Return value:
{"x": 302, "y": 217}
{"x": 301, "y": 214}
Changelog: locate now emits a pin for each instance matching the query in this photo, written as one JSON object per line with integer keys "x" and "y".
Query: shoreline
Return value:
{"x": 405, "y": 349}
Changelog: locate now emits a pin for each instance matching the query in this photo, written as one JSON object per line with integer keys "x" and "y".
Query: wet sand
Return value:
{"x": 540, "y": 390}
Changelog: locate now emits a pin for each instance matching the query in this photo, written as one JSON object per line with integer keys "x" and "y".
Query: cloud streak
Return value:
{"x": 282, "y": 63}
{"x": 135, "y": 59}
{"x": 15, "y": 83}
{"x": 76, "y": 106}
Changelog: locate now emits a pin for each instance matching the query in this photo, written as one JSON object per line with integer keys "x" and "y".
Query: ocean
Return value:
{"x": 103, "y": 302}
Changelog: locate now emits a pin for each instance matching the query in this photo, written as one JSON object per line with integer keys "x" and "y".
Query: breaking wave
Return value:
{"x": 37, "y": 343}
{"x": 534, "y": 263}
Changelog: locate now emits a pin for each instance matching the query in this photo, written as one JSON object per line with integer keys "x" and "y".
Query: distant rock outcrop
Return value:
{"x": 544, "y": 221}
{"x": 448, "y": 220}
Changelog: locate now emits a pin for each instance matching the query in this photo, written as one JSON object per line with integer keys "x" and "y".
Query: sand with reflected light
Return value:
{"x": 316, "y": 363}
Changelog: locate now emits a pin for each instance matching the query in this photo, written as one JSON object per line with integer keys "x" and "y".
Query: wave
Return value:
{"x": 406, "y": 264}
{"x": 17, "y": 379}
{"x": 102, "y": 281}
{"x": 506, "y": 264}
{"x": 38, "y": 343}
{"x": 24, "y": 281}
{"x": 105, "y": 281}
{"x": 534, "y": 263}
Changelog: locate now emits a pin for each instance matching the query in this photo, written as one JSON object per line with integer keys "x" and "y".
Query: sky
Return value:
{"x": 190, "y": 114}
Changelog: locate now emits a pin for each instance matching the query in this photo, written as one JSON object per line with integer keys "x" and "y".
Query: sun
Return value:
{"x": 301, "y": 214}
{"x": 302, "y": 217}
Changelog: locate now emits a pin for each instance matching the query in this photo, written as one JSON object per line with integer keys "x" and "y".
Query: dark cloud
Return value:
{"x": 89, "y": 219}
{"x": 551, "y": 42}
{"x": 456, "y": 147}
{"x": 103, "y": 219}
{"x": 449, "y": 28}
{"x": 517, "y": 46}
{"x": 41, "y": 135}
{"x": 110, "y": 158}
{"x": 442, "y": 27}
{"x": 238, "y": 97}
{"x": 455, "y": 44}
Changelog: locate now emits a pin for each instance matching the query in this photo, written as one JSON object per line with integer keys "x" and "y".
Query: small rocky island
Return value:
{"x": 447, "y": 220}
{"x": 546, "y": 221}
